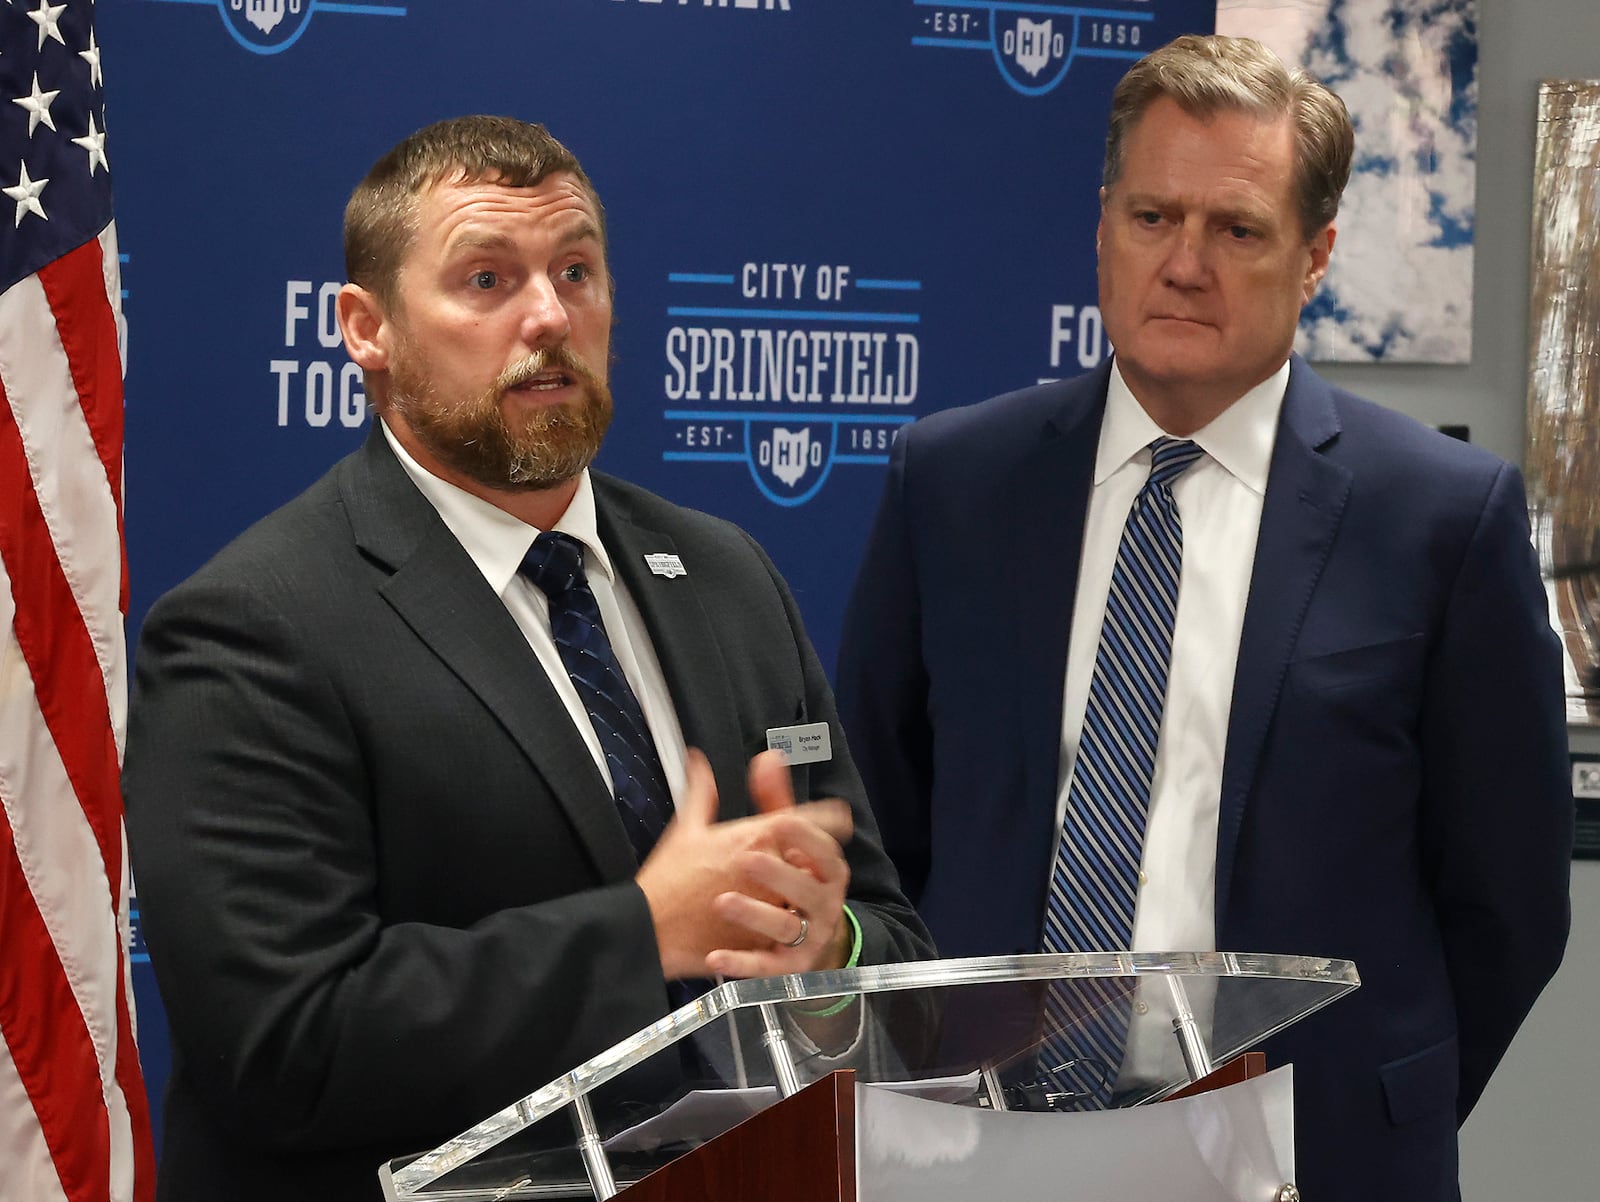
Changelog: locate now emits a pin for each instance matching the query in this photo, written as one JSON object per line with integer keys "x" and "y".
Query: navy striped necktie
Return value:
{"x": 555, "y": 564}
{"x": 1095, "y": 879}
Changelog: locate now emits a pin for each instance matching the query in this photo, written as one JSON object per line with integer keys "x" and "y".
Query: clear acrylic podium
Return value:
{"x": 959, "y": 1072}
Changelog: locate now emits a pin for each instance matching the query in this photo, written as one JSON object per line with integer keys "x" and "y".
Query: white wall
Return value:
{"x": 1536, "y": 1134}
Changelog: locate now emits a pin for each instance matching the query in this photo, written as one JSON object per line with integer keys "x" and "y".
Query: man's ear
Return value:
{"x": 365, "y": 328}
{"x": 1317, "y": 265}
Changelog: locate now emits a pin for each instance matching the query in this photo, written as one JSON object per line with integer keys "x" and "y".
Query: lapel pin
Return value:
{"x": 662, "y": 564}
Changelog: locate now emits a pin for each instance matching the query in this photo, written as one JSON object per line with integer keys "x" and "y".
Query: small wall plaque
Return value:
{"x": 1586, "y": 797}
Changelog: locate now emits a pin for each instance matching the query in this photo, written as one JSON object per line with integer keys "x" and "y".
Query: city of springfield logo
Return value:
{"x": 1034, "y": 44}
{"x": 789, "y": 370}
{"x": 272, "y": 26}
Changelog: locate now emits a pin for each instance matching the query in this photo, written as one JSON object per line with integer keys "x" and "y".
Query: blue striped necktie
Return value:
{"x": 1095, "y": 879}
{"x": 555, "y": 564}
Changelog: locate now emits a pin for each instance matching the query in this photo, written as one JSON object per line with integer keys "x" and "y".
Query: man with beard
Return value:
{"x": 424, "y": 769}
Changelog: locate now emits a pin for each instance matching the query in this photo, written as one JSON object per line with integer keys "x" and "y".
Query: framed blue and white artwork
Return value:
{"x": 1400, "y": 286}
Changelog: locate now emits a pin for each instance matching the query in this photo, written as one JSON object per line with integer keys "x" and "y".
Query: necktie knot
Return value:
{"x": 554, "y": 563}
{"x": 1170, "y": 458}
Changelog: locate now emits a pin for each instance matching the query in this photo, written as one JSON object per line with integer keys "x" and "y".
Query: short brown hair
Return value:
{"x": 380, "y": 219}
{"x": 1206, "y": 75}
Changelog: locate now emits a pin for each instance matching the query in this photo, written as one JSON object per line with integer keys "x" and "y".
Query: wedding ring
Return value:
{"x": 805, "y": 928}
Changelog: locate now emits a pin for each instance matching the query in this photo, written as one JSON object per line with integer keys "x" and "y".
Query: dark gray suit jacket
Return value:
{"x": 384, "y": 886}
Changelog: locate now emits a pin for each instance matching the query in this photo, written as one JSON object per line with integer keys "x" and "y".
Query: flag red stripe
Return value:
{"x": 49, "y": 1042}
{"x": 45, "y": 1029}
{"x": 50, "y": 633}
{"x": 130, "y": 1078}
{"x": 75, "y": 286}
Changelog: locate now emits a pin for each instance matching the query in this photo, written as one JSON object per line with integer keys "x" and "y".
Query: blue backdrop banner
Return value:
{"x": 827, "y": 218}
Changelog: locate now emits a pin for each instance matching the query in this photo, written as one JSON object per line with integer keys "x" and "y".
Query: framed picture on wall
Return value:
{"x": 1399, "y": 289}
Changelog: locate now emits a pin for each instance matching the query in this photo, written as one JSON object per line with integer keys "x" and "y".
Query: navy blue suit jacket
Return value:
{"x": 1395, "y": 785}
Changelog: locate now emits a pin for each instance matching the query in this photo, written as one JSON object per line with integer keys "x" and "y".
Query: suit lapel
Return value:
{"x": 1300, "y": 515}
{"x": 683, "y": 638}
{"x": 1054, "y": 483}
{"x": 438, "y": 591}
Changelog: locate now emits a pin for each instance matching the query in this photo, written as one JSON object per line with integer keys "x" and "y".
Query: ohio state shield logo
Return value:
{"x": 1032, "y": 54}
{"x": 790, "y": 460}
{"x": 267, "y": 26}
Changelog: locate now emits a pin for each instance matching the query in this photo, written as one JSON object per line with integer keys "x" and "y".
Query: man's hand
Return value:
{"x": 727, "y": 897}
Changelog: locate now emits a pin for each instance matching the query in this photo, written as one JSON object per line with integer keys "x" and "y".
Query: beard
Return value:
{"x": 539, "y": 448}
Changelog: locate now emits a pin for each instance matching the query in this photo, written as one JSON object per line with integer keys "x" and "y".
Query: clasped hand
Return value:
{"x": 727, "y": 898}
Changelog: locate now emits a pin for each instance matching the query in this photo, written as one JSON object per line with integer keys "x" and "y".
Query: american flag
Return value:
{"x": 74, "y": 1120}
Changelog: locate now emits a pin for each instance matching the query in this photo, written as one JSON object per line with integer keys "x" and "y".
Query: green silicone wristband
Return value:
{"x": 855, "y": 958}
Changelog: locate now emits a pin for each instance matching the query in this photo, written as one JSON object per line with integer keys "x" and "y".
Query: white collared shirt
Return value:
{"x": 1219, "y": 501}
{"x": 496, "y": 542}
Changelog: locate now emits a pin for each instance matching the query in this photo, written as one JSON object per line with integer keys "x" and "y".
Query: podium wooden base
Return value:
{"x": 801, "y": 1150}
{"x": 1242, "y": 1067}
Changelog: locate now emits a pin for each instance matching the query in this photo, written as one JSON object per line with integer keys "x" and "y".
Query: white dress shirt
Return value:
{"x": 497, "y": 542}
{"x": 1219, "y": 503}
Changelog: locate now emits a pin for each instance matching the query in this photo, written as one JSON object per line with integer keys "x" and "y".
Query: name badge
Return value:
{"x": 663, "y": 564}
{"x": 802, "y": 744}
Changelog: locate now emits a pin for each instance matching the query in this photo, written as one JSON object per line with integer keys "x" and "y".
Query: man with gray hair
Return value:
{"x": 1251, "y": 664}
